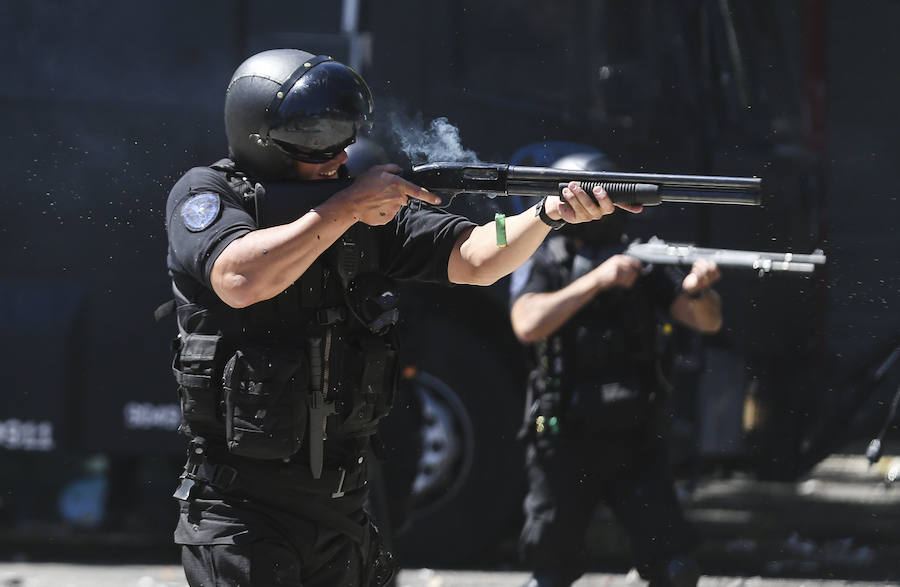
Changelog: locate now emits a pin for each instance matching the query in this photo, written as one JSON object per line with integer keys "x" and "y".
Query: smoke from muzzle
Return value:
{"x": 439, "y": 141}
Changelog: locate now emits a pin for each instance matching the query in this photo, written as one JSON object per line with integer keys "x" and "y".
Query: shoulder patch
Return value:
{"x": 200, "y": 210}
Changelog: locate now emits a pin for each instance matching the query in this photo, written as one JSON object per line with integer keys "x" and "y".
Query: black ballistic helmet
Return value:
{"x": 286, "y": 105}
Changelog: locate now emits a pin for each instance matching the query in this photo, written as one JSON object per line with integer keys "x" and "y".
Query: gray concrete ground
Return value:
{"x": 843, "y": 520}
{"x": 74, "y": 575}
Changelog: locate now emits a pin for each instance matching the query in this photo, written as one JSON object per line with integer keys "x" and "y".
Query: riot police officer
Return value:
{"x": 595, "y": 403}
{"x": 284, "y": 360}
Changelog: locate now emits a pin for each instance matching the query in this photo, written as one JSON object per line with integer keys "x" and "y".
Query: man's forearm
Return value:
{"x": 536, "y": 316}
{"x": 708, "y": 309}
{"x": 703, "y": 314}
{"x": 263, "y": 263}
{"x": 477, "y": 260}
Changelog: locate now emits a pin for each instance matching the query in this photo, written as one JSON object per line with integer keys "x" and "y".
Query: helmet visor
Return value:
{"x": 320, "y": 113}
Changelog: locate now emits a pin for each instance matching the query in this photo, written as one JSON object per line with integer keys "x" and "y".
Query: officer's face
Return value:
{"x": 327, "y": 170}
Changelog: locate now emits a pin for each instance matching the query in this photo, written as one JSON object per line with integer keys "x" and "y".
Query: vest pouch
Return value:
{"x": 382, "y": 370}
{"x": 265, "y": 393}
{"x": 373, "y": 301}
{"x": 370, "y": 362}
{"x": 194, "y": 367}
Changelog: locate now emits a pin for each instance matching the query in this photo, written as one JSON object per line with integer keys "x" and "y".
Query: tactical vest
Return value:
{"x": 315, "y": 362}
{"x": 599, "y": 371}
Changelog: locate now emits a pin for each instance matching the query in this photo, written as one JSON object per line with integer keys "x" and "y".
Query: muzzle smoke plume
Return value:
{"x": 440, "y": 141}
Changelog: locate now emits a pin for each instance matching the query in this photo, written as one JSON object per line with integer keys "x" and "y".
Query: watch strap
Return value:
{"x": 542, "y": 214}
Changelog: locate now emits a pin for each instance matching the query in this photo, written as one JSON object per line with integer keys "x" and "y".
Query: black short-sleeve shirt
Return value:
{"x": 204, "y": 215}
{"x": 416, "y": 245}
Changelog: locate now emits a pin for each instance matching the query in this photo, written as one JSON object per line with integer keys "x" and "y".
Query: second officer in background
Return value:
{"x": 595, "y": 413}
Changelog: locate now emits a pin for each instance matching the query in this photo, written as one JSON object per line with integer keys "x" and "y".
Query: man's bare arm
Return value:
{"x": 703, "y": 313}
{"x": 263, "y": 263}
{"x": 477, "y": 260}
{"x": 535, "y": 316}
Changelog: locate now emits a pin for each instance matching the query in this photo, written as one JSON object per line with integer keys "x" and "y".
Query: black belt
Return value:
{"x": 334, "y": 482}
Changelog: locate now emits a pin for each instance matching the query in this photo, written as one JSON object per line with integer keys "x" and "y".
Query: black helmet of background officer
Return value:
{"x": 286, "y": 105}
{"x": 610, "y": 230}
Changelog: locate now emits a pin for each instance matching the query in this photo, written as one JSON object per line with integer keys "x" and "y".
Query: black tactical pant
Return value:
{"x": 264, "y": 529}
{"x": 568, "y": 478}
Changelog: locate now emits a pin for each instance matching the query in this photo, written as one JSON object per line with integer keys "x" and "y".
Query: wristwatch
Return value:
{"x": 542, "y": 214}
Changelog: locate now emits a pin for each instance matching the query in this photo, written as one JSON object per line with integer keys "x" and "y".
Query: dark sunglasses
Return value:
{"x": 312, "y": 156}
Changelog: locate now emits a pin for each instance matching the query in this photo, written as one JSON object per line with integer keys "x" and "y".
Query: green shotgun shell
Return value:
{"x": 500, "y": 223}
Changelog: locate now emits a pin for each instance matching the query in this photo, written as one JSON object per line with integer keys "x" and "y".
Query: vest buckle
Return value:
{"x": 329, "y": 316}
